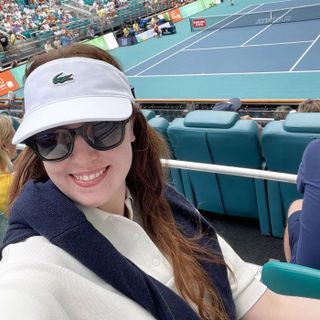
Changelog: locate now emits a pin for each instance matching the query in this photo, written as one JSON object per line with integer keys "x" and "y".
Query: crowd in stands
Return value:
{"x": 43, "y": 20}
{"x": 23, "y": 19}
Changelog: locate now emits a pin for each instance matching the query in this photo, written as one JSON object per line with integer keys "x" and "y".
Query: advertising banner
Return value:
{"x": 209, "y": 3}
{"x": 7, "y": 83}
{"x": 18, "y": 73}
{"x": 199, "y": 23}
{"x": 191, "y": 9}
{"x": 173, "y": 15}
{"x": 145, "y": 35}
{"x": 98, "y": 42}
{"x": 110, "y": 40}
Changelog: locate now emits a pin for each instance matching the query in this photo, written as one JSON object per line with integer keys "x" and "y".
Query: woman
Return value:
{"x": 7, "y": 153}
{"x": 95, "y": 232}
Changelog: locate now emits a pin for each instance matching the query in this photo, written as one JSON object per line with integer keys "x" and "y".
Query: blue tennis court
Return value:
{"x": 289, "y": 51}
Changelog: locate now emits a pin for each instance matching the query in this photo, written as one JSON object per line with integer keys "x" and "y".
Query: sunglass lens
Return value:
{"x": 105, "y": 135}
{"x": 53, "y": 145}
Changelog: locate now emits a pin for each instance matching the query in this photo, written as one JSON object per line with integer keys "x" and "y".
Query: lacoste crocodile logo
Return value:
{"x": 60, "y": 78}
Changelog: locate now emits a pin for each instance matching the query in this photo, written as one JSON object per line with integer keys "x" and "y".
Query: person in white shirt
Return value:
{"x": 48, "y": 46}
{"x": 94, "y": 231}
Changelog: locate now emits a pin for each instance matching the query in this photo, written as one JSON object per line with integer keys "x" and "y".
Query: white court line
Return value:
{"x": 250, "y": 45}
{"x": 289, "y": 1}
{"x": 224, "y": 74}
{"x": 290, "y": 7}
{"x": 264, "y": 29}
{"x": 210, "y": 33}
{"x": 184, "y": 40}
{"x": 311, "y": 45}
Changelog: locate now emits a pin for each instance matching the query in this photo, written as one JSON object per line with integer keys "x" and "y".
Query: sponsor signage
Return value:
{"x": 199, "y": 23}
{"x": 174, "y": 15}
{"x": 7, "y": 83}
{"x": 192, "y": 8}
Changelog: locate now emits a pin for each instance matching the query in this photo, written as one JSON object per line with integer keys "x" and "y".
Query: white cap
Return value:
{"x": 73, "y": 90}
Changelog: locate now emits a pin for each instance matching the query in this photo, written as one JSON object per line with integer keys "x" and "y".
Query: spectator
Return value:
{"x": 125, "y": 31}
{"x": 309, "y": 105}
{"x": 11, "y": 99}
{"x": 4, "y": 41}
{"x": 91, "y": 209}
{"x": 57, "y": 43}
{"x": 90, "y": 32}
{"x": 48, "y": 46}
{"x": 301, "y": 238}
{"x": 7, "y": 154}
{"x": 135, "y": 27}
{"x": 66, "y": 38}
{"x": 12, "y": 38}
{"x": 233, "y": 104}
{"x": 281, "y": 112}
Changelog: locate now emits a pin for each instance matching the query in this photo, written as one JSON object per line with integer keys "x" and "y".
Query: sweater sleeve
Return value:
{"x": 20, "y": 297}
{"x": 308, "y": 253}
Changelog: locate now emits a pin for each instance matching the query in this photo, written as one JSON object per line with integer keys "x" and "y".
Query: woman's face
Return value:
{"x": 95, "y": 178}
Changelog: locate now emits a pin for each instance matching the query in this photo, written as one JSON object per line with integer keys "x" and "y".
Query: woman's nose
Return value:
{"x": 82, "y": 150}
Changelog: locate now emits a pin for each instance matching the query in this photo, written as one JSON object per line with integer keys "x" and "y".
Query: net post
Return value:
{"x": 191, "y": 24}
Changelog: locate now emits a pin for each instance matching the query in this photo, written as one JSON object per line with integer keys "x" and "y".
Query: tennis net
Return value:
{"x": 294, "y": 14}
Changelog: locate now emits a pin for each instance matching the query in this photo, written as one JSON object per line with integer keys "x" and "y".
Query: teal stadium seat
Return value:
{"x": 3, "y": 226}
{"x": 291, "y": 279}
{"x": 283, "y": 144}
{"x": 220, "y": 137}
{"x": 161, "y": 125}
{"x": 148, "y": 114}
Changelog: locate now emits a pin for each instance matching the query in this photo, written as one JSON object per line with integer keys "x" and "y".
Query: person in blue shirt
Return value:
{"x": 302, "y": 232}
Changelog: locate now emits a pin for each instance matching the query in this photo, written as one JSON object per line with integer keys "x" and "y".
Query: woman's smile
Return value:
{"x": 91, "y": 178}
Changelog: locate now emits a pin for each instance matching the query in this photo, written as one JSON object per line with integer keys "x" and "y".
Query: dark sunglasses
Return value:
{"x": 57, "y": 144}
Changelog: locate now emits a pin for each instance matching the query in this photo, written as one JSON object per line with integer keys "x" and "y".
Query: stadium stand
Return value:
{"x": 33, "y": 23}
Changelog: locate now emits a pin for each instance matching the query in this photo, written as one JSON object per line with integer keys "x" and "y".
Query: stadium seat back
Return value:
{"x": 221, "y": 138}
{"x": 283, "y": 144}
{"x": 237, "y": 145}
{"x": 161, "y": 125}
{"x": 148, "y": 114}
{"x": 189, "y": 144}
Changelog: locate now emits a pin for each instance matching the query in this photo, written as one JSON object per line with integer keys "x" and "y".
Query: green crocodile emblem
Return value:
{"x": 60, "y": 78}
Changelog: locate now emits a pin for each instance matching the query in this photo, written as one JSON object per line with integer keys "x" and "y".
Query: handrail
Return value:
{"x": 229, "y": 170}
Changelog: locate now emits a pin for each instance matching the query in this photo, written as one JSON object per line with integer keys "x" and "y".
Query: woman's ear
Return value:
{"x": 132, "y": 136}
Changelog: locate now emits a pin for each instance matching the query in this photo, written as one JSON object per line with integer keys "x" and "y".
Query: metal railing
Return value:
{"x": 229, "y": 170}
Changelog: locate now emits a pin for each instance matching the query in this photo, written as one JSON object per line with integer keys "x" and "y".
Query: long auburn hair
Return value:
{"x": 146, "y": 181}
{"x": 6, "y": 128}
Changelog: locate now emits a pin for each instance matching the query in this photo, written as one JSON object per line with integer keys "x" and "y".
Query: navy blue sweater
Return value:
{"x": 42, "y": 209}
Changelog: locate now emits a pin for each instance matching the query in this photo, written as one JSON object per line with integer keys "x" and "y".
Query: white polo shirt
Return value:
{"x": 39, "y": 281}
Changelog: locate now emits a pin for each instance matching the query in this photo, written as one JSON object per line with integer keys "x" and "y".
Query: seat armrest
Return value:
{"x": 291, "y": 279}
